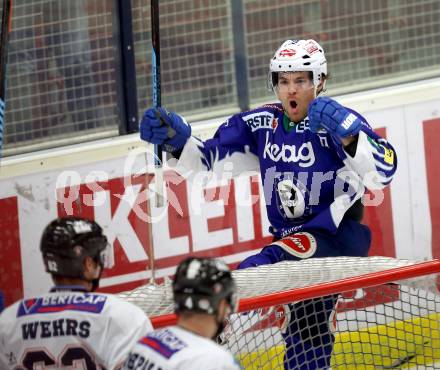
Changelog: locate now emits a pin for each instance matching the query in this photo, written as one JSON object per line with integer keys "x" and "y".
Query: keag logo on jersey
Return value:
{"x": 92, "y": 303}
{"x": 304, "y": 155}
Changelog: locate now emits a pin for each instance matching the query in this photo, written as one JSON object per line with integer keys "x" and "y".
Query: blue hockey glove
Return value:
{"x": 336, "y": 119}
{"x": 158, "y": 126}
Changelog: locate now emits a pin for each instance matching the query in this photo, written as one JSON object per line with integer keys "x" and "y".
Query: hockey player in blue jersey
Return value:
{"x": 316, "y": 159}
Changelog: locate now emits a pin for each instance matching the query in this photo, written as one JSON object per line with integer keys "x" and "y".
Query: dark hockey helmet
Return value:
{"x": 67, "y": 241}
{"x": 201, "y": 283}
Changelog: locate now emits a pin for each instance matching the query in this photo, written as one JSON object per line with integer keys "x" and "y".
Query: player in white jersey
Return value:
{"x": 204, "y": 295}
{"x": 71, "y": 327}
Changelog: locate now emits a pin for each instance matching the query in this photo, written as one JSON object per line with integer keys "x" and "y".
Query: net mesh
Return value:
{"x": 394, "y": 325}
{"x": 389, "y": 326}
{"x": 157, "y": 300}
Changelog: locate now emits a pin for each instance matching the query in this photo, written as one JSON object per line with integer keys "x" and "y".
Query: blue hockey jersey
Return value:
{"x": 309, "y": 179}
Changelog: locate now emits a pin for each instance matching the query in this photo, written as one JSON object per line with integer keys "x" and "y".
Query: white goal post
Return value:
{"x": 387, "y": 315}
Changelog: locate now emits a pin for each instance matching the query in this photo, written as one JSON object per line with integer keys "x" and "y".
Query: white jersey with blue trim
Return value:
{"x": 309, "y": 179}
{"x": 65, "y": 329}
{"x": 174, "y": 348}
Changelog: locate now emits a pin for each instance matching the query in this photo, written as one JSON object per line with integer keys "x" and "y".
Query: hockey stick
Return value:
{"x": 6, "y": 29}
{"x": 158, "y": 173}
{"x": 155, "y": 66}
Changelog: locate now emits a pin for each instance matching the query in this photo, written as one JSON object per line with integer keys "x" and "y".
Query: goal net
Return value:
{"x": 338, "y": 312}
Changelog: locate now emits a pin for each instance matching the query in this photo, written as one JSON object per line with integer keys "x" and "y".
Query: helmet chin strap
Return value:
{"x": 220, "y": 327}
{"x": 221, "y": 321}
{"x": 315, "y": 88}
{"x": 95, "y": 281}
{"x": 95, "y": 284}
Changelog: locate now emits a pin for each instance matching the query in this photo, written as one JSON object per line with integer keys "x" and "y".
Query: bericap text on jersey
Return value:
{"x": 169, "y": 339}
{"x": 51, "y": 300}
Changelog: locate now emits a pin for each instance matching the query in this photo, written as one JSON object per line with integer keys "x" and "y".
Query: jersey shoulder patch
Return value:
{"x": 262, "y": 117}
{"x": 164, "y": 342}
{"x": 91, "y": 303}
{"x": 259, "y": 120}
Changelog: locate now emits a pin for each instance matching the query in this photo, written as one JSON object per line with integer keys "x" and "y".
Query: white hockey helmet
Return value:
{"x": 297, "y": 56}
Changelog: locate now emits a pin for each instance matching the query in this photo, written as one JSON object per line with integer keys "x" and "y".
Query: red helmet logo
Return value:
{"x": 287, "y": 53}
